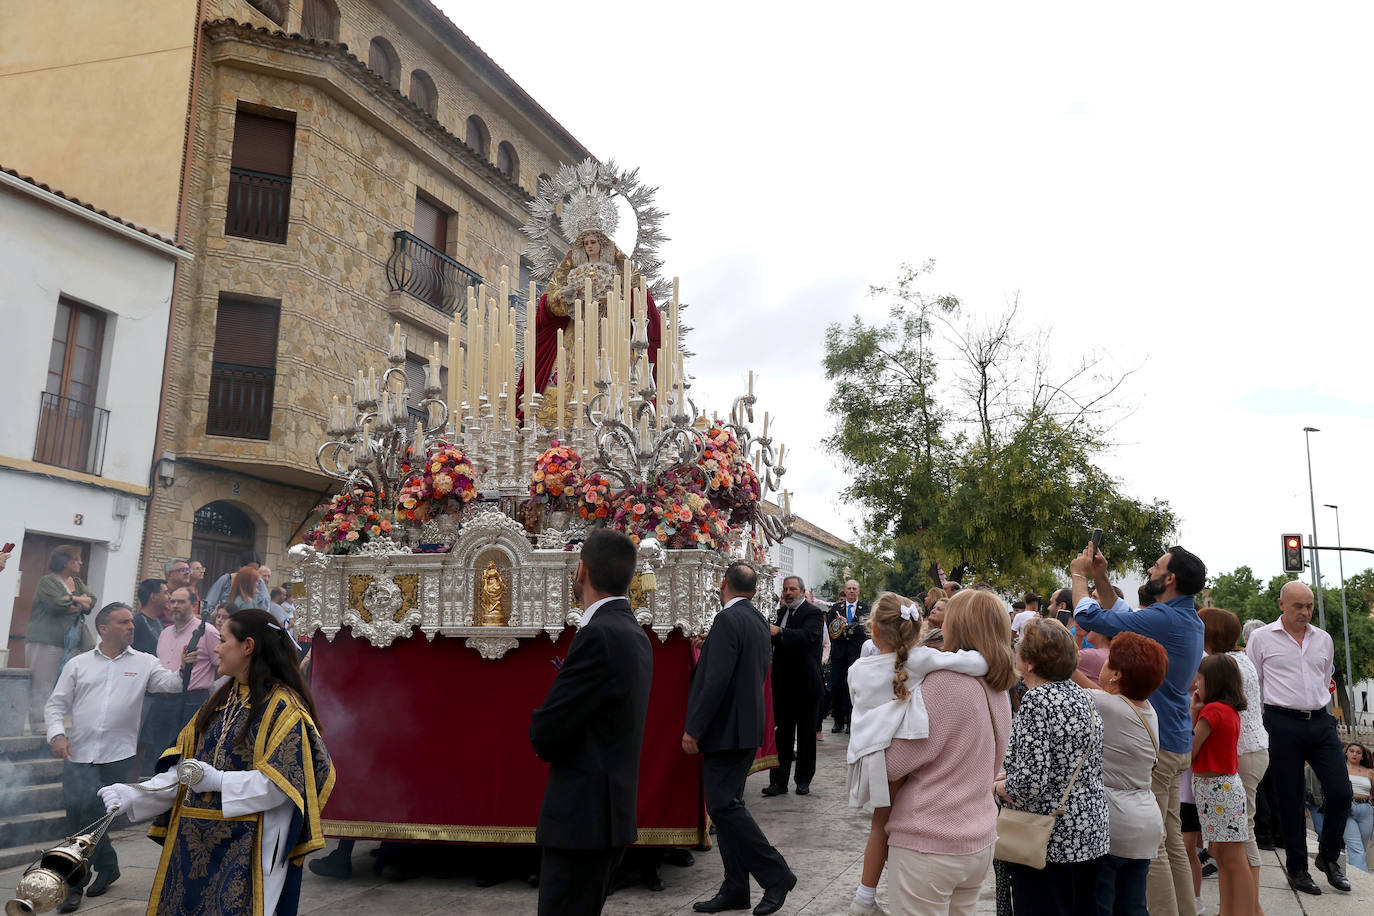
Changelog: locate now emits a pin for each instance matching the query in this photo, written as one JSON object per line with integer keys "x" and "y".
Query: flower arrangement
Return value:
{"x": 556, "y": 476}
{"x": 443, "y": 485}
{"x": 729, "y": 480}
{"x": 597, "y": 499}
{"x": 350, "y": 520}
{"x": 676, "y": 512}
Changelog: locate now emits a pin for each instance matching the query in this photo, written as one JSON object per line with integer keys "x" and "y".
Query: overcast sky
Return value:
{"x": 1189, "y": 183}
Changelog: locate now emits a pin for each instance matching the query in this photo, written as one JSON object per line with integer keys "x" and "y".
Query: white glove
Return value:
{"x": 118, "y": 795}
{"x": 211, "y": 780}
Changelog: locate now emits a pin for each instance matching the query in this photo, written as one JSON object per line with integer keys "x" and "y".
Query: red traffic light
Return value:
{"x": 1292, "y": 553}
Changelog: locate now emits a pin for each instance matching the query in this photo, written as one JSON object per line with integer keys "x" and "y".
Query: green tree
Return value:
{"x": 968, "y": 450}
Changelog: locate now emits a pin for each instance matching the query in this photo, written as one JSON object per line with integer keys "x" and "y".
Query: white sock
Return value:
{"x": 866, "y": 895}
{"x": 1197, "y": 904}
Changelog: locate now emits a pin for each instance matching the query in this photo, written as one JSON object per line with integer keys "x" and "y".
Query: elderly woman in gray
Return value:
{"x": 1134, "y": 669}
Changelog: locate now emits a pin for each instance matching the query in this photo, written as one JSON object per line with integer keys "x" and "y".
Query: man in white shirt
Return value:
{"x": 102, "y": 690}
{"x": 1295, "y": 661}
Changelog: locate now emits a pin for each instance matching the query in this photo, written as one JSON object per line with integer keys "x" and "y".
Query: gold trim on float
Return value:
{"x": 457, "y": 833}
{"x": 764, "y": 763}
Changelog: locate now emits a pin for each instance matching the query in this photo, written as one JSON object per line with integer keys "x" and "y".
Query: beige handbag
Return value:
{"x": 1023, "y": 837}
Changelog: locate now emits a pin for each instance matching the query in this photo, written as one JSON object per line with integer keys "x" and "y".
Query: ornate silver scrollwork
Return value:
{"x": 492, "y": 647}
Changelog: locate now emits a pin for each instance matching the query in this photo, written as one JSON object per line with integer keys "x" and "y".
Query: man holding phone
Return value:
{"x": 1172, "y": 621}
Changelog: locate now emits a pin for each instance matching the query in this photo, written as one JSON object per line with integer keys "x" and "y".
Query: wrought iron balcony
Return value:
{"x": 240, "y": 401}
{"x": 427, "y": 273}
{"x": 71, "y": 434}
{"x": 259, "y": 206}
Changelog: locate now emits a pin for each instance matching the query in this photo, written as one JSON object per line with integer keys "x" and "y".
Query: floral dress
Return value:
{"x": 1056, "y": 723}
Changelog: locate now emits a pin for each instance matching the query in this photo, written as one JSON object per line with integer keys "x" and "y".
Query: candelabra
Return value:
{"x": 374, "y": 447}
{"x": 767, "y": 465}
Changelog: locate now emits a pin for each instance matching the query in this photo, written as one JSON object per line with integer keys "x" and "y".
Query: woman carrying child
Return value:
{"x": 942, "y": 823}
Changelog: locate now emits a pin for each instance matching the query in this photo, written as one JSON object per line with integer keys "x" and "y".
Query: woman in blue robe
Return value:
{"x": 255, "y": 775}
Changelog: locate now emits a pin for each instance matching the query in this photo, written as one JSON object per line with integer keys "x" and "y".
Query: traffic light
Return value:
{"x": 1292, "y": 553}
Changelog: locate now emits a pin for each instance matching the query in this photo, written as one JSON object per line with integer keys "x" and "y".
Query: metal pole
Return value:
{"x": 1316, "y": 561}
{"x": 1345, "y": 618}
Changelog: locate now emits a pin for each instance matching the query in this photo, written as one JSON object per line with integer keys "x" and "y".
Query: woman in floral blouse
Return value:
{"x": 1056, "y": 727}
{"x": 60, "y": 602}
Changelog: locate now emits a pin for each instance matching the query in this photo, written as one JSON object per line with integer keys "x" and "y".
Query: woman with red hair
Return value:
{"x": 1134, "y": 669}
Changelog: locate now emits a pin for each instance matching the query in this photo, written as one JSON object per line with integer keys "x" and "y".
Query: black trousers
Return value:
{"x": 841, "y": 706}
{"x": 792, "y": 720}
{"x": 1293, "y": 741}
{"x": 575, "y": 882}
{"x": 744, "y": 850}
{"x": 1060, "y": 889}
{"x": 80, "y": 783}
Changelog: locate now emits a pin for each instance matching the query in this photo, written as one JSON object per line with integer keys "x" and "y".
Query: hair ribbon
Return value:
{"x": 909, "y": 612}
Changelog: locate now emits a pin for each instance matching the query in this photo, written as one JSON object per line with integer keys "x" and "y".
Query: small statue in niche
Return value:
{"x": 493, "y": 597}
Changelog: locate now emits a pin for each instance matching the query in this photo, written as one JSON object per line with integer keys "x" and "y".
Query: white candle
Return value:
{"x": 455, "y": 377}
{"x": 562, "y": 378}
{"x": 765, "y": 425}
{"x": 751, "y": 383}
{"x": 372, "y": 384}
{"x": 531, "y": 318}
{"x": 396, "y": 340}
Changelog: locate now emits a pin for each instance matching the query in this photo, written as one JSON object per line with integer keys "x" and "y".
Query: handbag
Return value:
{"x": 1024, "y": 837}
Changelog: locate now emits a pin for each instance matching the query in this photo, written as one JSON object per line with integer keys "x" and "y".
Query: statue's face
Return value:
{"x": 592, "y": 245}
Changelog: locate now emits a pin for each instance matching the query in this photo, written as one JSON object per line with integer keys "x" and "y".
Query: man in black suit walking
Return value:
{"x": 725, "y": 722}
{"x": 797, "y": 688}
{"x": 590, "y": 729}
{"x": 845, "y": 620}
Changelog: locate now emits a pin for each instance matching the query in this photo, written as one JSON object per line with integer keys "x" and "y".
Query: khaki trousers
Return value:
{"x": 924, "y": 884}
{"x": 1169, "y": 890}
{"x": 1252, "y": 768}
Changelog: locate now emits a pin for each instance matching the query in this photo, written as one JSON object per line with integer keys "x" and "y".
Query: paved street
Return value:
{"x": 821, "y": 838}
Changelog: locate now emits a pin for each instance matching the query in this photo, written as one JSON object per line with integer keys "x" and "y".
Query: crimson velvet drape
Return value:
{"x": 431, "y": 741}
{"x": 546, "y": 328}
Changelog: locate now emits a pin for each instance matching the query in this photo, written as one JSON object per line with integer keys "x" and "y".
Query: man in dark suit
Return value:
{"x": 797, "y": 689}
{"x": 590, "y": 728}
{"x": 725, "y": 722}
{"x": 845, "y": 620}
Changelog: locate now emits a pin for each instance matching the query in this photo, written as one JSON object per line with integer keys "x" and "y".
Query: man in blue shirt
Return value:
{"x": 1172, "y": 621}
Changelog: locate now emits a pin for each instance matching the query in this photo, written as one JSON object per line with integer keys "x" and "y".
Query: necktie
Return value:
{"x": 851, "y": 613}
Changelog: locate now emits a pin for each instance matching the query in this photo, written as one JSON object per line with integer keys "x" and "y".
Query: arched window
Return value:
{"x": 320, "y": 19}
{"x": 382, "y": 60}
{"x": 477, "y": 136}
{"x": 422, "y": 91}
{"x": 272, "y": 9}
{"x": 507, "y": 163}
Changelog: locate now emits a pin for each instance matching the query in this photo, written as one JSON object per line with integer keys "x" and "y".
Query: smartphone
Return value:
{"x": 1097, "y": 541}
{"x": 9, "y": 548}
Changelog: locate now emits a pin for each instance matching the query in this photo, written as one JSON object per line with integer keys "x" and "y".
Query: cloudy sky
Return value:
{"x": 1187, "y": 187}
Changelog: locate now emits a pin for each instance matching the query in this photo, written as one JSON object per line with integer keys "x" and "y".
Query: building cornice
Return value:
{"x": 337, "y": 53}
{"x": 88, "y": 212}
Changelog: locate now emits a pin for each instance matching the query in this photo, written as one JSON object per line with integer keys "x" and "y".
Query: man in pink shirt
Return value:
{"x": 187, "y": 646}
{"x": 1295, "y": 660}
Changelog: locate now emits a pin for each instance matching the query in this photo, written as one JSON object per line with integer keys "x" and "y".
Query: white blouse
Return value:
{"x": 1253, "y": 737}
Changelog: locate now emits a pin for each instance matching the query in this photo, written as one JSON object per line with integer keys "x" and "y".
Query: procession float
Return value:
{"x": 438, "y": 582}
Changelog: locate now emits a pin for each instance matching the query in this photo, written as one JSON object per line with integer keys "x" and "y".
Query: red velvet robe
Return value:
{"x": 546, "y": 328}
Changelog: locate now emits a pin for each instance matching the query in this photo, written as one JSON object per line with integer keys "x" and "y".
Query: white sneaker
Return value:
{"x": 858, "y": 909}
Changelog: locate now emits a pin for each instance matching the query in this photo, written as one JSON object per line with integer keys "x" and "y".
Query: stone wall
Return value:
{"x": 360, "y": 156}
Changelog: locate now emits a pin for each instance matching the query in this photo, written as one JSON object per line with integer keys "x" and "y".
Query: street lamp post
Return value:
{"x": 1316, "y": 554}
{"x": 1345, "y": 620}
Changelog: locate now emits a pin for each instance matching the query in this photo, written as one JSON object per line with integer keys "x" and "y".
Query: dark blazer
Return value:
{"x": 846, "y": 649}
{"x": 590, "y": 729}
{"x": 725, "y": 706}
{"x": 797, "y": 652}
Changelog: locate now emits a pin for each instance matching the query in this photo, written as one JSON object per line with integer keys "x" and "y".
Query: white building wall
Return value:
{"x": 808, "y": 558}
{"x": 46, "y": 251}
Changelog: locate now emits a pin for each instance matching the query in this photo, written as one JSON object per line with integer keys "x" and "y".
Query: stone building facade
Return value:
{"x": 364, "y": 146}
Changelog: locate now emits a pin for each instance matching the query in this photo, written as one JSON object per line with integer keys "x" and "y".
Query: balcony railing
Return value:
{"x": 427, "y": 273}
{"x": 71, "y": 434}
{"x": 259, "y": 206}
{"x": 240, "y": 401}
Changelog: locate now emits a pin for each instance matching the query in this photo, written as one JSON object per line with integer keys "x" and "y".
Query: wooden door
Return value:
{"x": 33, "y": 565}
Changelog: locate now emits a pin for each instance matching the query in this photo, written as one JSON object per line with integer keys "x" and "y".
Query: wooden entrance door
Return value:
{"x": 221, "y": 532}
{"x": 33, "y": 565}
